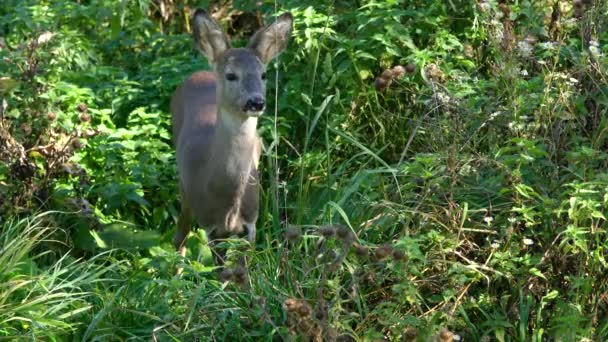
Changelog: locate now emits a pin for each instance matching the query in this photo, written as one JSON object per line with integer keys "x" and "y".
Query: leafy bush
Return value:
{"x": 435, "y": 167}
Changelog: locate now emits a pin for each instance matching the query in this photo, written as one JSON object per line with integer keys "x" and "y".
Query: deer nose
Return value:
{"x": 255, "y": 104}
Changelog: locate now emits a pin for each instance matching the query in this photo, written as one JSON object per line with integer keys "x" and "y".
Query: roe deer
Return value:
{"x": 215, "y": 117}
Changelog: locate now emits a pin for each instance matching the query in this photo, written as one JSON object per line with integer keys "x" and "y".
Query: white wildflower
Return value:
{"x": 484, "y": 6}
{"x": 525, "y": 48}
{"x": 495, "y": 114}
{"x": 548, "y": 45}
{"x": 595, "y": 51}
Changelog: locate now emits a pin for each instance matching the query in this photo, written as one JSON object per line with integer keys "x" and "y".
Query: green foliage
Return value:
{"x": 434, "y": 164}
{"x": 42, "y": 300}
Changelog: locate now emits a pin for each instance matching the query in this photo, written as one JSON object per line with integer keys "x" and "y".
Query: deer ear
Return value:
{"x": 270, "y": 41}
{"x": 209, "y": 36}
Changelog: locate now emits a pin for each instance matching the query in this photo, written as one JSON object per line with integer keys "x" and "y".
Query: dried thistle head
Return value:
{"x": 290, "y": 304}
{"x": 410, "y": 334}
{"x": 398, "y": 71}
{"x": 399, "y": 255}
{"x": 82, "y": 107}
{"x": 327, "y": 231}
{"x": 445, "y": 335}
{"x": 297, "y": 306}
{"x": 387, "y": 74}
{"x": 381, "y": 84}
{"x": 77, "y": 144}
{"x": 410, "y": 68}
{"x": 26, "y": 128}
{"x": 84, "y": 117}
{"x": 360, "y": 251}
{"x": 321, "y": 311}
{"x": 469, "y": 51}
{"x": 304, "y": 309}
{"x": 293, "y": 234}
{"x": 240, "y": 274}
{"x": 226, "y": 275}
{"x": 344, "y": 233}
{"x": 434, "y": 73}
{"x": 383, "y": 251}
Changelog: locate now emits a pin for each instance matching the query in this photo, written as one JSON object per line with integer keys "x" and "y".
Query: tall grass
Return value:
{"x": 432, "y": 168}
{"x": 40, "y": 301}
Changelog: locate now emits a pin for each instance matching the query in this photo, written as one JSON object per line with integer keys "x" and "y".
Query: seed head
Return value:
{"x": 469, "y": 51}
{"x": 27, "y": 129}
{"x": 360, "y": 251}
{"x": 82, "y": 107}
{"x": 445, "y": 335}
{"x": 410, "y": 334}
{"x": 344, "y": 232}
{"x": 398, "y": 71}
{"x": 383, "y": 251}
{"x": 77, "y": 144}
{"x": 240, "y": 274}
{"x": 434, "y": 73}
{"x": 410, "y": 68}
{"x": 399, "y": 255}
{"x": 382, "y": 84}
{"x": 327, "y": 231}
{"x": 84, "y": 117}
{"x": 290, "y": 304}
{"x": 320, "y": 312}
{"x": 51, "y": 116}
{"x": 304, "y": 310}
{"x": 226, "y": 275}
{"x": 293, "y": 234}
{"x": 387, "y": 74}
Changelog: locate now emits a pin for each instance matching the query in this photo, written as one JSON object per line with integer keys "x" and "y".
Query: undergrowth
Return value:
{"x": 436, "y": 170}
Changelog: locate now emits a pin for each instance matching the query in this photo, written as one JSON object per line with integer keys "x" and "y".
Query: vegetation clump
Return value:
{"x": 434, "y": 171}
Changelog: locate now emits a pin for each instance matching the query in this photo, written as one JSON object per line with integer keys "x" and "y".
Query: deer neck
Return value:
{"x": 235, "y": 140}
{"x": 235, "y": 125}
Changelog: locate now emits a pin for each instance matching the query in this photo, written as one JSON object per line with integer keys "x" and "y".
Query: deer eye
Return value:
{"x": 263, "y": 75}
{"x": 231, "y": 77}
